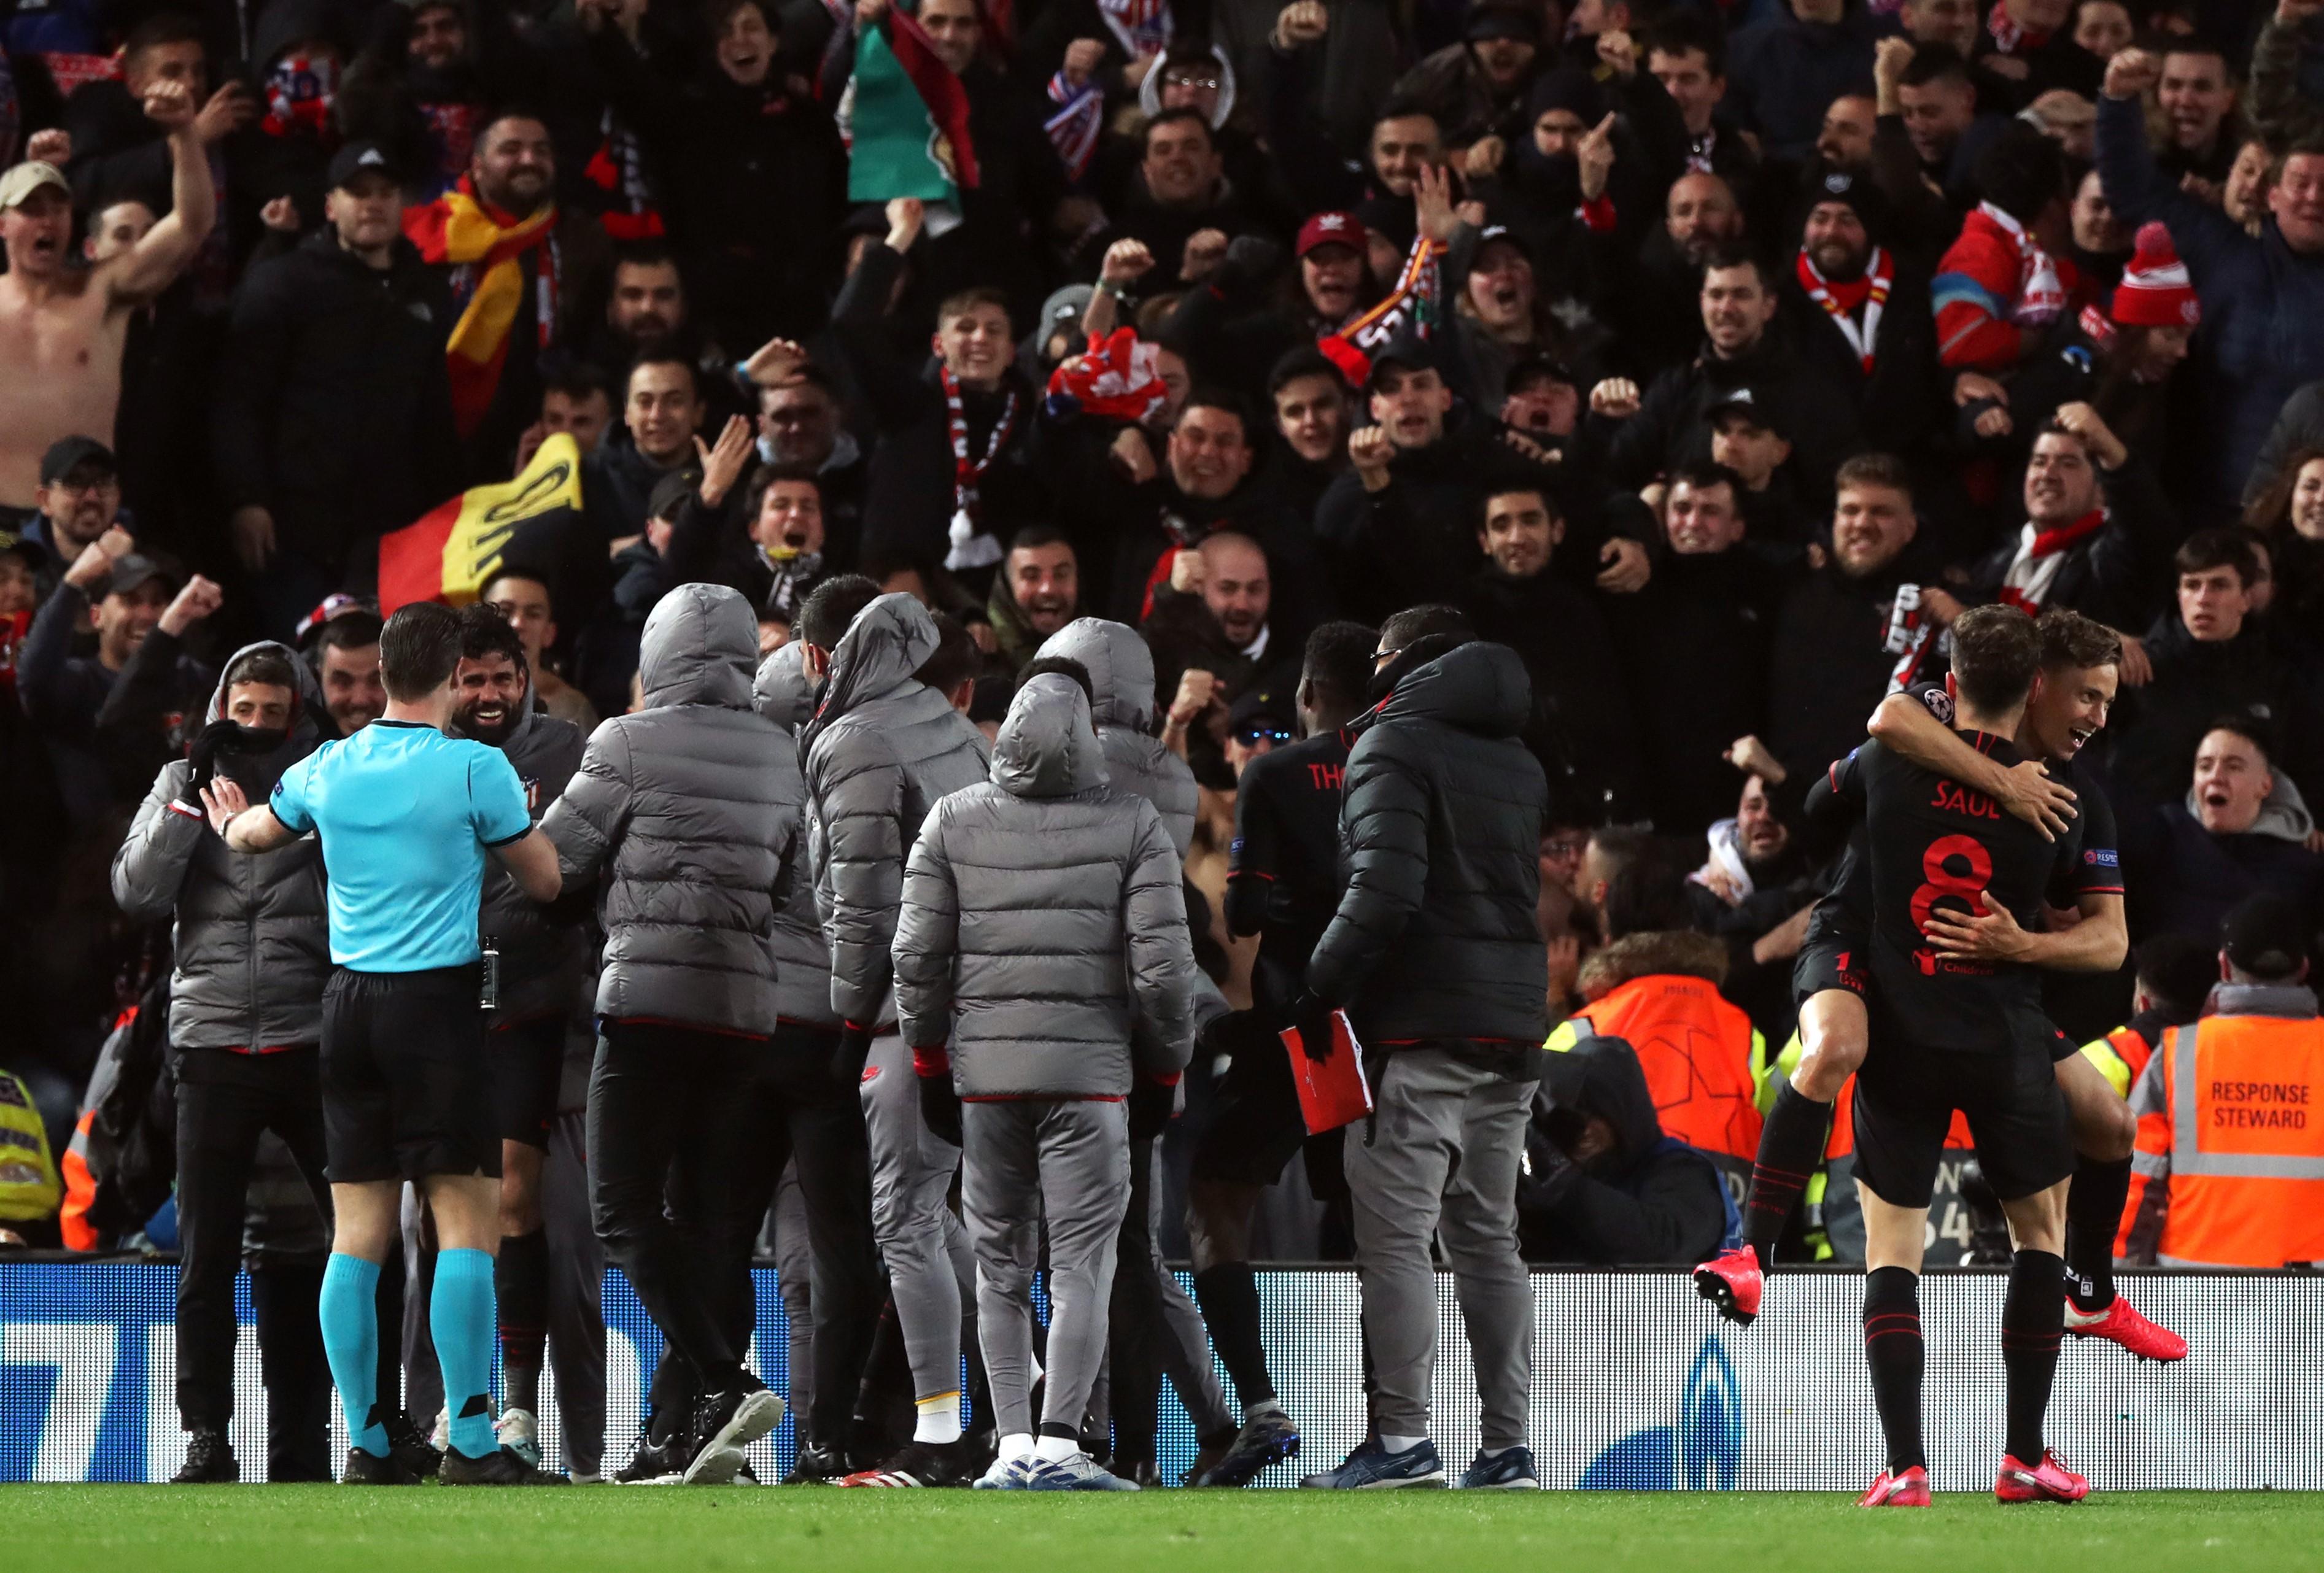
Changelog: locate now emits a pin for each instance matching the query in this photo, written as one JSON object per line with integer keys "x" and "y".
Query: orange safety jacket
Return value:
{"x": 1697, "y": 1050}
{"x": 2229, "y": 1170}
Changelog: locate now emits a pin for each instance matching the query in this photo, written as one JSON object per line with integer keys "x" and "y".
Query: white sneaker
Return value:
{"x": 588, "y": 1477}
{"x": 1001, "y": 1477}
{"x": 519, "y": 1433}
{"x": 1079, "y": 1473}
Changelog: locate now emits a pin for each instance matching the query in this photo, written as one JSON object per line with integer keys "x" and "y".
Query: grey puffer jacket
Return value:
{"x": 883, "y": 747}
{"x": 784, "y": 696}
{"x": 1440, "y": 833}
{"x": 254, "y": 940}
{"x": 1043, "y": 932}
{"x": 1122, "y": 678}
{"x": 541, "y": 962}
{"x": 692, "y": 808}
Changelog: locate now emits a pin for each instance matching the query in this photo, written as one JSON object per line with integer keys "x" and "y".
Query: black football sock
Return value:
{"x": 2033, "y": 1318}
{"x": 1228, "y": 1296}
{"x": 1790, "y": 1143}
{"x": 2093, "y": 1215}
{"x": 1894, "y": 1350}
{"x": 521, "y": 1286}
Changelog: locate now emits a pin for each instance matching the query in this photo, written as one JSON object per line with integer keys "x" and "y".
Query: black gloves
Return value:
{"x": 203, "y": 757}
{"x": 1313, "y": 1020}
{"x": 847, "y": 1059}
{"x": 1151, "y": 1104}
{"x": 940, "y": 1106}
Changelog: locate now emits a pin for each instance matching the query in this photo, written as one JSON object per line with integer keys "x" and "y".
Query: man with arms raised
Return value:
{"x": 61, "y": 330}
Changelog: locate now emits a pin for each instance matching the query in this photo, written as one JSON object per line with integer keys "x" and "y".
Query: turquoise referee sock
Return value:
{"x": 461, "y": 1315}
{"x": 351, "y": 1344}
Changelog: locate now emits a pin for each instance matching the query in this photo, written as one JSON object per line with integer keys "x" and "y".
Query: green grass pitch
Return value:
{"x": 317, "y": 1529}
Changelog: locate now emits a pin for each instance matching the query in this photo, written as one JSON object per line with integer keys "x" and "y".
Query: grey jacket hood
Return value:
{"x": 700, "y": 646}
{"x": 890, "y": 639}
{"x": 1121, "y": 670}
{"x": 782, "y": 691}
{"x": 310, "y": 691}
{"x": 1047, "y": 746}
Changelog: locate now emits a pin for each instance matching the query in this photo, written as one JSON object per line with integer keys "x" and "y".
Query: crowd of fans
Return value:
{"x": 1713, "y": 357}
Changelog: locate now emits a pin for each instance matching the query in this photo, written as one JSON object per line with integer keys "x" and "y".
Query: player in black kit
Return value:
{"x": 2080, "y": 667}
{"x": 1283, "y": 886}
{"x": 1952, "y": 1032}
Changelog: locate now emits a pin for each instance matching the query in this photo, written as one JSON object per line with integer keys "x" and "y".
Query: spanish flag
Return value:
{"x": 485, "y": 249}
{"x": 455, "y": 547}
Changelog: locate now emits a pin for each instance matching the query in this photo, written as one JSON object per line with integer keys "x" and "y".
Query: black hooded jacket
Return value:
{"x": 1435, "y": 936}
{"x": 1649, "y": 1199}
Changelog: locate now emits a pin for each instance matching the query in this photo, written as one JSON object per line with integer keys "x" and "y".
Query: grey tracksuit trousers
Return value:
{"x": 1439, "y": 1159}
{"x": 920, "y": 1240}
{"x": 1025, "y": 1162}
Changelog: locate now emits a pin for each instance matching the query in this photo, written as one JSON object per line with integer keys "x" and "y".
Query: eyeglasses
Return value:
{"x": 1252, "y": 734}
{"x": 1176, "y": 80}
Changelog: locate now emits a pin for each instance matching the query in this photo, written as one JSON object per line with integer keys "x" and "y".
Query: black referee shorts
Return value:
{"x": 1905, "y": 1101}
{"x": 406, "y": 1092}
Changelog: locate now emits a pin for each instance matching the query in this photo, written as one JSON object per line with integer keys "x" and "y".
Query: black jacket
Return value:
{"x": 2196, "y": 682}
{"x": 1899, "y": 403}
{"x": 1440, "y": 831}
{"x": 1582, "y": 728}
{"x": 333, "y": 408}
{"x": 1671, "y": 427}
{"x": 907, "y": 496}
{"x": 1694, "y": 643}
{"x": 1649, "y": 1199}
{"x": 755, "y": 182}
{"x": 1828, "y": 667}
{"x": 1415, "y": 540}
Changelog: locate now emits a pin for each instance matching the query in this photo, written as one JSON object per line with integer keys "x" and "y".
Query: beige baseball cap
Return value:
{"x": 27, "y": 178}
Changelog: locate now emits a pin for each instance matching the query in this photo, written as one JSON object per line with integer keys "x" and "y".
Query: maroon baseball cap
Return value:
{"x": 1334, "y": 228}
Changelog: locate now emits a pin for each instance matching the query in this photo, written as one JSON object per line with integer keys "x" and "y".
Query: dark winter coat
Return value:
{"x": 1440, "y": 831}
{"x": 1650, "y": 1198}
{"x": 334, "y": 411}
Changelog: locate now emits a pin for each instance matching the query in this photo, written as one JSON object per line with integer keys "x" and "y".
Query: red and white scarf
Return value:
{"x": 2041, "y": 553}
{"x": 2040, "y": 289}
{"x": 2010, "y": 38}
{"x": 1142, "y": 26}
{"x": 1073, "y": 129}
{"x": 1870, "y": 291}
{"x": 970, "y": 547}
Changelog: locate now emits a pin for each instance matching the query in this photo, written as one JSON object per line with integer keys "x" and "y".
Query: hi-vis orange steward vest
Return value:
{"x": 2239, "y": 1142}
{"x": 1697, "y": 1052}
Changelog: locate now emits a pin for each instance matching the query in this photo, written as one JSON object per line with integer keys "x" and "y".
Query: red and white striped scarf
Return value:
{"x": 2041, "y": 553}
{"x": 1880, "y": 278}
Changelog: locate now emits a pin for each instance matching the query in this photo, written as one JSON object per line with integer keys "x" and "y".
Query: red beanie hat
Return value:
{"x": 2156, "y": 291}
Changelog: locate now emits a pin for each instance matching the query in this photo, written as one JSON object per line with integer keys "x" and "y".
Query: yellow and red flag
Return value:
{"x": 455, "y": 547}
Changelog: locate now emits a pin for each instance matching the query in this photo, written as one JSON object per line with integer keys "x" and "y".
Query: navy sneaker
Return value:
{"x": 1267, "y": 1438}
{"x": 1372, "y": 1468}
{"x": 1512, "y": 1469}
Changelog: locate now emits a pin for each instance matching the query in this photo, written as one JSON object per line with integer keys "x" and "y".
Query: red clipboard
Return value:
{"x": 1332, "y": 1092}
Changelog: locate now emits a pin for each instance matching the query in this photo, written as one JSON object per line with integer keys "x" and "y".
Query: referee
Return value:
{"x": 405, "y": 816}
